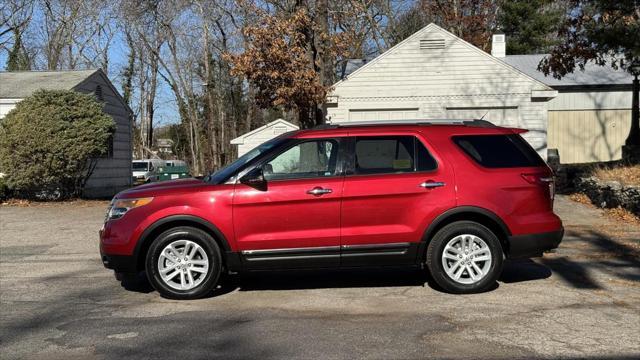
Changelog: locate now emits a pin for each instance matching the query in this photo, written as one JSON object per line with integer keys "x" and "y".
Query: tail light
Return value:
{"x": 542, "y": 179}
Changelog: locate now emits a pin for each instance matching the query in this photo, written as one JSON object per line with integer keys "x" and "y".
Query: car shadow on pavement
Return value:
{"x": 336, "y": 279}
{"x": 136, "y": 282}
{"x": 514, "y": 272}
{"x": 584, "y": 252}
{"x": 140, "y": 283}
{"x": 324, "y": 279}
{"x": 521, "y": 270}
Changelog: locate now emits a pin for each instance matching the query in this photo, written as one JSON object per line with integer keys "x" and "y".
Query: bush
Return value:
{"x": 4, "y": 191}
{"x": 49, "y": 142}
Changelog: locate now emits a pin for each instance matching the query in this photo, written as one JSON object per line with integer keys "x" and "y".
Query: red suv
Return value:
{"x": 459, "y": 197}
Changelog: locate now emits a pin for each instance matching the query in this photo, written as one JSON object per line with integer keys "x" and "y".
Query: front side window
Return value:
{"x": 391, "y": 154}
{"x": 140, "y": 166}
{"x": 309, "y": 159}
{"x": 230, "y": 170}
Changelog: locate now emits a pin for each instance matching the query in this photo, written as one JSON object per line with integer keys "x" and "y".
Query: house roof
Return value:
{"x": 352, "y": 65}
{"x": 20, "y": 84}
{"x": 432, "y": 26}
{"x": 592, "y": 75}
{"x": 240, "y": 139}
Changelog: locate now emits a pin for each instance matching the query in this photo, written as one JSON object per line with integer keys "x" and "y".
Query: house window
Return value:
{"x": 98, "y": 93}
{"x": 109, "y": 153}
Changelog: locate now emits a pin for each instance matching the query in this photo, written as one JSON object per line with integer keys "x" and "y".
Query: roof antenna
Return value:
{"x": 485, "y": 114}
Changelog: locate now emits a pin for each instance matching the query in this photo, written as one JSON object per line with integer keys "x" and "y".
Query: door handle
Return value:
{"x": 317, "y": 191}
{"x": 432, "y": 184}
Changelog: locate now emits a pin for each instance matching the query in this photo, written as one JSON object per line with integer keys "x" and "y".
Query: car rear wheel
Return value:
{"x": 465, "y": 257}
{"x": 184, "y": 263}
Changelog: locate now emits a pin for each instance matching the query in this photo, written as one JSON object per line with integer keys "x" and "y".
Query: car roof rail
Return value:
{"x": 465, "y": 122}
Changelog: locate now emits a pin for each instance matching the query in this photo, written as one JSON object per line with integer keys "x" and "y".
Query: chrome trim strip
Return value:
{"x": 291, "y": 250}
{"x": 292, "y": 257}
{"x": 376, "y": 246}
{"x": 379, "y": 253}
{"x": 300, "y": 253}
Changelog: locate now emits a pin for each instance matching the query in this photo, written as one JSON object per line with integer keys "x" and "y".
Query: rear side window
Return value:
{"x": 499, "y": 151}
{"x": 391, "y": 154}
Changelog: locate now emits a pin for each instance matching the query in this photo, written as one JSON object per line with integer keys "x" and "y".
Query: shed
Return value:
{"x": 590, "y": 118}
{"x": 434, "y": 74}
{"x": 113, "y": 172}
{"x": 250, "y": 140}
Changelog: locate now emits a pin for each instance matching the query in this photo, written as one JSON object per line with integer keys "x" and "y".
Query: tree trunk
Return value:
{"x": 324, "y": 59}
{"x": 151, "y": 94}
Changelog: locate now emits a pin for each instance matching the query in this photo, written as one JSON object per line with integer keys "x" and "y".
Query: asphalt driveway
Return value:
{"x": 57, "y": 301}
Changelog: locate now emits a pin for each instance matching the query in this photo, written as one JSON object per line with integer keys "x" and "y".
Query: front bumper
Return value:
{"x": 115, "y": 253}
{"x": 120, "y": 263}
{"x": 533, "y": 245}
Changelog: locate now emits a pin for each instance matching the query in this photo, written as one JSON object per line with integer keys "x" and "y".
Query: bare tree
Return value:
{"x": 15, "y": 16}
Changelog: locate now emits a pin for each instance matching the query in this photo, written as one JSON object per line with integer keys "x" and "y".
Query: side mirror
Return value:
{"x": 255, "y": 179}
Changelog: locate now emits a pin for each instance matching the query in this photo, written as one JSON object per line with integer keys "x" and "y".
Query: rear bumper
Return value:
{"x": 533, "y": 245}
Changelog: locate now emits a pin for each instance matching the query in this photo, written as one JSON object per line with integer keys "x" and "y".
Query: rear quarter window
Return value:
{"x": 499, "y": 151}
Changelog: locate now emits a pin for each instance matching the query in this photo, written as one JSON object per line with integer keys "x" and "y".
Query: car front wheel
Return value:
{"x": 465, "y": 257}
{"x": 184, "y": 263}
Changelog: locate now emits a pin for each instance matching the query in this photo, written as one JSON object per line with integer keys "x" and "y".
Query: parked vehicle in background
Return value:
{"x": 146, "y": 170}
{"x": 174, "y": 169}
{"x": 457, "y": 198}
{"x": 176, "y": 163}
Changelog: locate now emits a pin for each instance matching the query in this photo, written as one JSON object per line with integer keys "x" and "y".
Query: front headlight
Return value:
{"x": 119, "y": 207}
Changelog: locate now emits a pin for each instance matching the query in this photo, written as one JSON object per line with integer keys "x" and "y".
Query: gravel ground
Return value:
{"x": 57, "y": 301}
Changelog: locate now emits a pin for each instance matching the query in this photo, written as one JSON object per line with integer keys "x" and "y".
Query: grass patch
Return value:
{"x": 618, "y": 213}
{"x": 623, "y": 215}
{"x": 580, "y": 198}
{"x": 626, "y": 175}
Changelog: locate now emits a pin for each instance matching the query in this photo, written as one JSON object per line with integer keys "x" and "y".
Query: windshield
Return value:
{"x": 140, "y": 166}
{"x": 223, "y": 174}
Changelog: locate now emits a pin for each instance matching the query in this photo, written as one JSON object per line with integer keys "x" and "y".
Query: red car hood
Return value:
{"x": 168, "y": 184}
{"x": 162, "y": 188}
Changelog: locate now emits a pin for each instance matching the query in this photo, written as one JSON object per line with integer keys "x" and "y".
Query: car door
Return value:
{"x": 394, "y": 187}
{"x": 294, "y": 221}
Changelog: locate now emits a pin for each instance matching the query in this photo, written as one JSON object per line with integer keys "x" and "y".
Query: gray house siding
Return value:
{"x": 111, "y": 175}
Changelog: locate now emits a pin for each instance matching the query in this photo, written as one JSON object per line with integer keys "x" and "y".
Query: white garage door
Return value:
{"x": 504, "y": 116}
{"x": 383, "y": 114}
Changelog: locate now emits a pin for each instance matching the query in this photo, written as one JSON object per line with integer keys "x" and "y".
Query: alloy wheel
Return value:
{"x": 466, "y": 259}
{"x": 183, "y": 265}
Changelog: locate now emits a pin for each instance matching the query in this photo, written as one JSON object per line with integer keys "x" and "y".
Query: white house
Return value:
{"x": 250, "y": 140}
{"x": 112, "y": 172}
{"x": 434, "y": 74}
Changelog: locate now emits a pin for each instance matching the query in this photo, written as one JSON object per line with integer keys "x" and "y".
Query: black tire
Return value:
{"x": 435, "y": 263}
{"x": 197, "y": 236}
